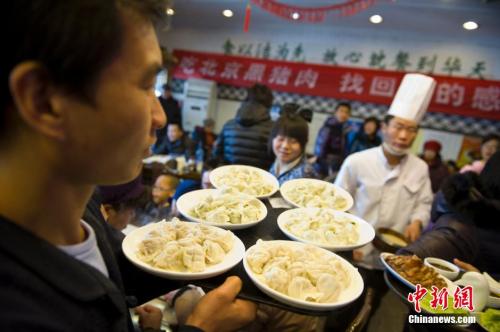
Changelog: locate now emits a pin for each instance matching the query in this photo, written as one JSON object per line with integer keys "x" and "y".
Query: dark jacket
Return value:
{"x": 204, "y": 142}
{"x": 172, "y": 110}
{"x": 438, "y": 172}
{"x": 182, "y": 147}
{"x": 463, "y": 229}
{"x": 359, "y": 141}
{"x": 44, "y": 289}
{"x": 244, "y": 139}
{"x": 331, "y": 144}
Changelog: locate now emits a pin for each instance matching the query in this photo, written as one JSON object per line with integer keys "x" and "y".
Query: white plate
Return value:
{"x": 366, "y": 231}
{"x": 289, "y": 185}
{"x": 347, "y": 295}
{"x": 451, "y": 286}
{"x": 268, "y": 177}
{"x": 187, "y": 201}
{"x": 131, "y": 243}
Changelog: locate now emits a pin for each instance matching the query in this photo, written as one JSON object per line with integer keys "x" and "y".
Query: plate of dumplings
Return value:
{"x": 183, "y": 250}
{"x": 302, "y": 275}
{"x": 226, "y": 208}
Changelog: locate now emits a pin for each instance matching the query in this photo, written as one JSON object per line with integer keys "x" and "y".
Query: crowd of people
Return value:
{"x": 62, "y": 264}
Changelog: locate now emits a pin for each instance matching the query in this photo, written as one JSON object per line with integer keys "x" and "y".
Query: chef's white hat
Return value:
{"x": 413, "y": 97}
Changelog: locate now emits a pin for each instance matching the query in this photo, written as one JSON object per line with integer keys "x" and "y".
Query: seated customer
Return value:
{"x": 204, "y": 139}
{"x": 466, "y": 217}
{"x": 120, "y": 202}
{"x": 160, "y": 206}
{"x": 288, "y": 142}
{"x": 175, "y": 143}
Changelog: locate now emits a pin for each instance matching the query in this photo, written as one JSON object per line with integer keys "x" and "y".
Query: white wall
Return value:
{"x": 346, "y": 41}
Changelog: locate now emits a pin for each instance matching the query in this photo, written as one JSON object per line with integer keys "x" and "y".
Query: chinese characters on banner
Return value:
{"x": 468, "y": 97}
{"x": 462, "y": 298}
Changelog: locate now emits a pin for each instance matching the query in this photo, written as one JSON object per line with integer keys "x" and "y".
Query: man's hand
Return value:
{"x": 465, "y": 266}
{"x": 220, "y": 311}
{"x": 413, "y": 230}
{"x": 149, "y": 316}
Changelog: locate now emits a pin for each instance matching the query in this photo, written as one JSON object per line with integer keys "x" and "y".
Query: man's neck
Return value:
{"x": 41, "y": 201}
{"x": 392, "y": 160}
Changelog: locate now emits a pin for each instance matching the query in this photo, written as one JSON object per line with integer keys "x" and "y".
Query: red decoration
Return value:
{"x": 246, "y": 25}
{"x": 453, "y": 95}
{"x": 313, "y": 14}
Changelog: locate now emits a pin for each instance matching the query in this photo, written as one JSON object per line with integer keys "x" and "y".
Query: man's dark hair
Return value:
{"x": 261, "y": 94}
{"x": 73, "y": 39}
{"x": 166, "y": 87}
{"x": 490, "y": 137}
{"x": 290, "y": 125}
{"x": 345, "y": 104}
{"x": 388, "y": 118}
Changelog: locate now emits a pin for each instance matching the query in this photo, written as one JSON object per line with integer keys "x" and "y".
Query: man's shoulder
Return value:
{"x": 362, "y": 157}
{"x": 417, "y": 164}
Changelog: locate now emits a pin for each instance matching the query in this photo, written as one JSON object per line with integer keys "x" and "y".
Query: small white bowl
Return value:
{"x": 452, "y": 275}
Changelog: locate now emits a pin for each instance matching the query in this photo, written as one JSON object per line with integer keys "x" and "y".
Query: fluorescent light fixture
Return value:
{"x": 295, "y": 16}
{"x": 376, "y": 19}
{"x": 470, "y": 25}
{"x": 227, "y": 13}
{"x": 170, "y": 11}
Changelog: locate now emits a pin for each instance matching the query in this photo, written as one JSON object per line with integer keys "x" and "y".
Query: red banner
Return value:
{"x": 468, "y": 97}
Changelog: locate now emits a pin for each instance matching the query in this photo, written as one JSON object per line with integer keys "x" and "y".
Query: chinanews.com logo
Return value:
{"x": 439, "y": 303}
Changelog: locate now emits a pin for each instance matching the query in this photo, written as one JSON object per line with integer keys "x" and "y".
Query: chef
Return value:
{"x": 391, "y": 187}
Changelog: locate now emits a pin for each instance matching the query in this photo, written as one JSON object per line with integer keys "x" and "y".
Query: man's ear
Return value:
{"x": 107, "y": 210}
{"x": 32, "y": 92}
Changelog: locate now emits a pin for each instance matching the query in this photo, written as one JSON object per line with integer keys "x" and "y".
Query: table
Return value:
{"x": 265, "y": 230}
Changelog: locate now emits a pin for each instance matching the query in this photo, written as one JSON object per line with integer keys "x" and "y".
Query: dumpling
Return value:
{"x": 328, "y": 286}
{"x": 193, "y": 258}
{"x": 301, "y": 288}
{"x": 257, "y": 258}
{"x": 213, "y": 252}
{"x": 170, "y": 258}
{"x": 277, "y": 279}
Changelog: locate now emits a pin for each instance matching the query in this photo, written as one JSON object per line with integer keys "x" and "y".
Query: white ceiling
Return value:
{"x": 433, "y": 19}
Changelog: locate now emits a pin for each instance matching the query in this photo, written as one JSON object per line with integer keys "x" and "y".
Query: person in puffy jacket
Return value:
{"x": 466, "y": 220}
{"x": 243, "y": 140}
{"x": 330, "y": 146}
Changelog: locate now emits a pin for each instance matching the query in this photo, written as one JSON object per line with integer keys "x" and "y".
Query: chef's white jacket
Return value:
{"x": 385, "y": 195}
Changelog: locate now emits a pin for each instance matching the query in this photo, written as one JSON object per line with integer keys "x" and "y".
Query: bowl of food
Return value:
{"x": 388, "y": 240}
{"x": 443, "y": 267}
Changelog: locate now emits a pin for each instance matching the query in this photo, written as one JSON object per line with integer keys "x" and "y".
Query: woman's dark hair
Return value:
{"x": 73, "y": 39}
{"x": 290, "y": 125}
{"x": 371, "y": 119}
{"x": 490, "y": 176}
{"x": 490, "y": 137}
{"x": 261, "y": 94}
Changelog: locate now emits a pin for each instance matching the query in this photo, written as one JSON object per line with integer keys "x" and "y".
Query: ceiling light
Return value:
{"x": 295, "y": 16}
{"x": 376, "y": 19}
{"x": 470, "y": 25}
{"x": 227, "y": 13}
{"x": 170, "y": 11}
